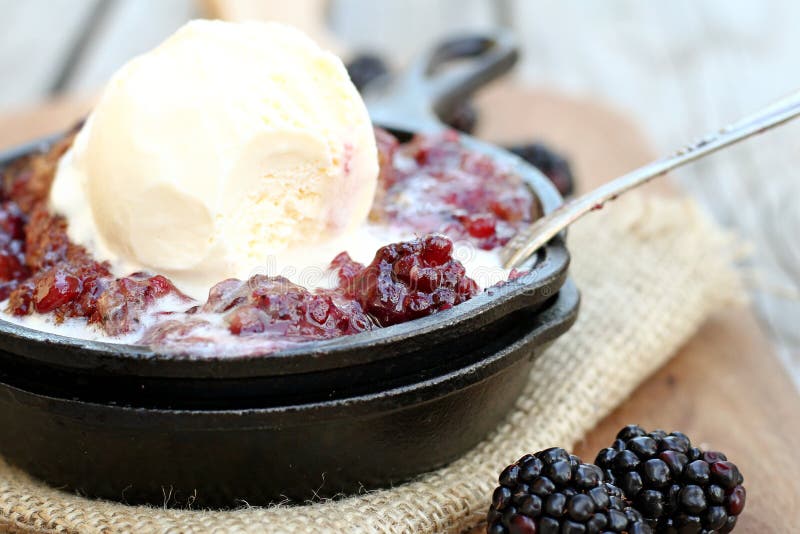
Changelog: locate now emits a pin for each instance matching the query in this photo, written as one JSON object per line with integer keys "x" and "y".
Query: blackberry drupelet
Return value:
{"x": 550, "y": 163}
{"x": 554, "y": 492}
{"x": 676, "y": 487}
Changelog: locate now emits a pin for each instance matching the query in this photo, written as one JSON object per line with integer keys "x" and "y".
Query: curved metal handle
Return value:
{"x": 436, "y": 82}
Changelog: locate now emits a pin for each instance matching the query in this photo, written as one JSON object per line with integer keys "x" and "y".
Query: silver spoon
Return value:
{"x": 527, "y": 241}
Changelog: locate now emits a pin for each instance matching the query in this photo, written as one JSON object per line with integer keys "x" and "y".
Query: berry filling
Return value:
{"x": 438, "y": 186}
{"x": 407, "y": 280}
{"x": 432, "y": 187}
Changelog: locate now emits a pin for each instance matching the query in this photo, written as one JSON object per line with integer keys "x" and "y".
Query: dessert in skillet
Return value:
{"x": 229, "y": 195}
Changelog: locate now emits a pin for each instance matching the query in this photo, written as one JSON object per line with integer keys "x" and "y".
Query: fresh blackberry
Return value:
{"x": 365, "y": 68}
{"x": 676, "y": 487}
{"x": 550, "y": 163}
{"x": 554, "y": 492}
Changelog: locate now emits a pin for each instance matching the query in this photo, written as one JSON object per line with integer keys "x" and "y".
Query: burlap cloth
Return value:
{"x": 650, "y": 272}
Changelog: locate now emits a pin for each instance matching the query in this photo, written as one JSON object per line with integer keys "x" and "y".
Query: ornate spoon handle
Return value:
{"x": 529, "y": 240}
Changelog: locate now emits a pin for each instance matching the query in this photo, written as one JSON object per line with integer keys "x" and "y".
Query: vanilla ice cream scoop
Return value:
{"x": 228, "y": 144}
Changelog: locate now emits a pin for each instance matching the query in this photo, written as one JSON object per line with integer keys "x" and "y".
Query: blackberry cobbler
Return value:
{"x": 431, "y": 187}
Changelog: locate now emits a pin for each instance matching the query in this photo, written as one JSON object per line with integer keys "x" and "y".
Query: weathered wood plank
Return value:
{"x": 683, "y": 68}
{"x": 397, "y": 29}
{"x": 401, "y": 28}
{"x": 128, "y": 28}
{"x": 37, "y": 37}
{"x": 308, "y": 15}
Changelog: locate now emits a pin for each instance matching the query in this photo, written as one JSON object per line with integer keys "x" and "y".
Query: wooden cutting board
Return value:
{"x": 725, "y": 388}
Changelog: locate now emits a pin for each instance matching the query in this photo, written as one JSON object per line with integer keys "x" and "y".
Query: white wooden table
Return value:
{"x": 680, "y": 68}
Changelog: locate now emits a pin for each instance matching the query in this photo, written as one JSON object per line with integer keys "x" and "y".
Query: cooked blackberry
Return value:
{"x": 407, "y": 280}
{"x": 554, "y": 492}
{"x": 676, "y": 487}
{"x": 552, "y": 164}
{"x": 366, "y": 68}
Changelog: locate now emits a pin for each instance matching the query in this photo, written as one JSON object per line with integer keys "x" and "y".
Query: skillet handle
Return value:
{"x": 438, "y": 81}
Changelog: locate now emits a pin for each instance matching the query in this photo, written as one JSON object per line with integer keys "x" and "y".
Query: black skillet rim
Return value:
{"x": 553, "y": 322}
{"x": 544, "y": 280}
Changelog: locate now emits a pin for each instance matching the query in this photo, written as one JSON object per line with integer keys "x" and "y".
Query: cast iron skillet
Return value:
{"x": 300, "y": 451}
{"x": 332, "y": 417}
{"x": 325, "y": 369}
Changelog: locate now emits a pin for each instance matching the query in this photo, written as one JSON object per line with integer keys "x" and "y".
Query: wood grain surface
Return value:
{"x": 725, "y": 388}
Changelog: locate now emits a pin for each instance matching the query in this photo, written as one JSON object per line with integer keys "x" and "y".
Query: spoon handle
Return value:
{"x": 528, "y": 240}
